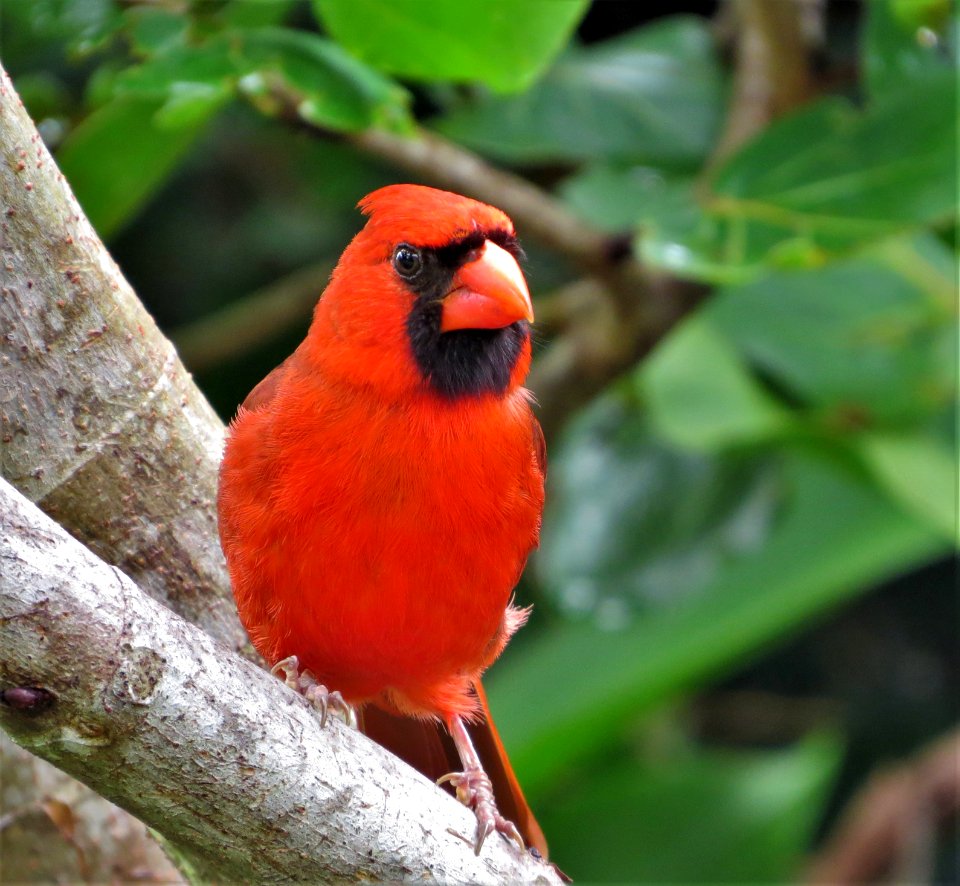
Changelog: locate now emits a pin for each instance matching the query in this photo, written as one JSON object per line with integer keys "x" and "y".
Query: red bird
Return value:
{"x": 382, "y": 488}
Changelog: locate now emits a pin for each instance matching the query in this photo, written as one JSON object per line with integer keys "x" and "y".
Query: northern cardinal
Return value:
{"x": 382, "y": 488}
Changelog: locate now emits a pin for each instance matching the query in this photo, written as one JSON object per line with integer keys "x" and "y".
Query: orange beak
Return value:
{"x": 487, "y": 293}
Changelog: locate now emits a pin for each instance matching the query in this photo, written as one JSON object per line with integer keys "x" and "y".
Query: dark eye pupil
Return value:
{"x": 406, "y": 260}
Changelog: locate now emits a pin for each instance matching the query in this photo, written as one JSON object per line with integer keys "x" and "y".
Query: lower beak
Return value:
{"x": 487, "y": 293}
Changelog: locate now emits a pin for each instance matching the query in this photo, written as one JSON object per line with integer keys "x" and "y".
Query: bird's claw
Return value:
{"x": 290, "y": 668}
{"x": 314, "y": 692}
{"x": 475, "y": 791}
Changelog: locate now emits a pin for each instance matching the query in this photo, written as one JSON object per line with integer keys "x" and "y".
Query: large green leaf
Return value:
{"x": 634, "y": 522}
{"x": 654, "y": 94}
{"x": 750, "y": 816}
{"x": 86, "y": 24}
{"x": 336, "y": 90}
{"x": 677, "y": 234}
{"x": 919, "y": 470}
{"x": 849, "y": 173}
{"x": 502, "y": 43}
{"x": 868, "y": 340}
{"x": 141, "y": 156}
{"x": 701, "y": 395}
{"x": 568, "y": 692}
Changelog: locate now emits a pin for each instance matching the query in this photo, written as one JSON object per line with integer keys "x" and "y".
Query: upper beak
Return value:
{"x": 487, "y": 293}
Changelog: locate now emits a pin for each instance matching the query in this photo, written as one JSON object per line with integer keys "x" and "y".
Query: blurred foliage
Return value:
{"x": 782, "y": 451}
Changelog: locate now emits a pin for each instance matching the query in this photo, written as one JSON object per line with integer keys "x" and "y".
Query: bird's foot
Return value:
{"x": 475, "y": 791}
{"x": 314, "y": 692}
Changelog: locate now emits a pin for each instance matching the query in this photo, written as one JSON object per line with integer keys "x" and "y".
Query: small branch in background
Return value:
{"x": 55, "y": 830}
{"x": 246, "y": 324}
{"x": 772, "y": 73}
{"x": 537, "y": 214}
{"x": 888, "y": 831}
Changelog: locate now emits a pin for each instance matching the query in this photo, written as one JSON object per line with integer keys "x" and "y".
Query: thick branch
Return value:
{"x": 219, "y": 757}
{"x": 100, "y": 424}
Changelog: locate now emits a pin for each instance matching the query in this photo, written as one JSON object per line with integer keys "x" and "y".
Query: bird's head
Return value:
{"x": 429, "y": 294}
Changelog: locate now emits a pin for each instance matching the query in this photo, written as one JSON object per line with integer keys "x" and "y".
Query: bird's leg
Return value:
{"x": 314, "y": 692}
{"x": 474, "y": 789}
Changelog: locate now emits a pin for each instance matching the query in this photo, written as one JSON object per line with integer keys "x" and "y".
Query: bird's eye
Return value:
{"x": 407, "y": 261}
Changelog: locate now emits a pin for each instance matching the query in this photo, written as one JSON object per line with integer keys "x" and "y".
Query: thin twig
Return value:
{"x": 887, "y": 831}
{"x": 445, "y": 164}
{"x": 247, "y": 323}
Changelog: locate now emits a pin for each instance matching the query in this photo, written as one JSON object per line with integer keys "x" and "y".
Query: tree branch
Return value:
{"x": 887, "y": 831}
{"x": 772, "y": 73}
{"x": 447, "y": 165}
{"x": 251, "y": 321}
{"x": 219, "y": 757}
{"x": 100, "y": 424}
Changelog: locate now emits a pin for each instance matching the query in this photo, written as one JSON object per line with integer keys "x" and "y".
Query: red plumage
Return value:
{"x": 380, "y": 493}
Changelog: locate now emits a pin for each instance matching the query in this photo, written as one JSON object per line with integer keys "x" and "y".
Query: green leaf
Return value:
{"x": 569, "y": 692}
{"x": 181, "y": 67}
{"x": 154, "y": 30}
{"x": 750, "y": 816}
{"x": 850, "y": 174}
{"x": 633, "y": 522}
{"x": 866, "y": 341}
{"x": 701, "y": 395}
{"x": 614, "y": 197}
{"x": 675, "y": 232}
{"x": 502, "y": 43}
{"x": 86, "y": 24}
{"x": 332, "y": 88}
{"x": 337, "y": 91}
{"x": 904, "y": 42}
{"x": 919, "y": 471}
{"x": 189, "y": 104}
{"x": 141, "y": 156}
{"x": 654, "y": 95}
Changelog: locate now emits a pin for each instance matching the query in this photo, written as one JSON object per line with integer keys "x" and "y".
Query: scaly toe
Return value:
{"x": 289, "y": 667}
{"x": 314, "y": 692}
{"x": 474, "y": 790}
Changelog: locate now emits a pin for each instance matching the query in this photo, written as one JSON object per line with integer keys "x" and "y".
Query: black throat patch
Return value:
{"x": 463, "y": 362}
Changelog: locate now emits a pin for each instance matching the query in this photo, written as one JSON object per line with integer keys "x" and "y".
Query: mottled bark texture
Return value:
{"x": 229, "y": 765}
{"x": 100, "y": 424}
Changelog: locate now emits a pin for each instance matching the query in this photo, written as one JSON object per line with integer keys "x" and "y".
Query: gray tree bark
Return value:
{"x": 229, "y": 765}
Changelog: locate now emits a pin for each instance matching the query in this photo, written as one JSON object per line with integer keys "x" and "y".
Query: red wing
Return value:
{"x": 266, "y": 390}
{"x": 539, "y": 445}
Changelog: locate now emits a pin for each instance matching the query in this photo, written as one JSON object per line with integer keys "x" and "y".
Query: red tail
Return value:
{"x": 429, "y": 749}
